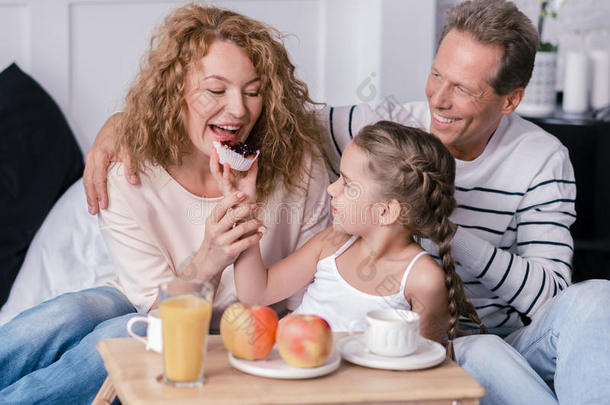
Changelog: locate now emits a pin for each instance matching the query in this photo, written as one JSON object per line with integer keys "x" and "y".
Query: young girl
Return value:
{"x": 396, "y": 185}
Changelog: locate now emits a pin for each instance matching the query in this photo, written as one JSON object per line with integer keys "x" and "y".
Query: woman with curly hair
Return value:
{"x": 211, "y": 75}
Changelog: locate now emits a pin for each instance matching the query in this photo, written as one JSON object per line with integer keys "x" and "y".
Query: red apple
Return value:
{"x": 248, "y": 332}
{"x": 304, "y": 340}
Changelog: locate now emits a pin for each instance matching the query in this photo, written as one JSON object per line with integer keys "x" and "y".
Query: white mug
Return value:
{"x": 390, "y": 332}
{"x": 154, "y": 337}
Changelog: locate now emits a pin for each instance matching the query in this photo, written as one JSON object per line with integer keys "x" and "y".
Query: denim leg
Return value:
{"x": 501, "y": 370}
{"x": 40, "y": 335}
{"x": 75, "y": 378}
{"x": 568, "y": 342}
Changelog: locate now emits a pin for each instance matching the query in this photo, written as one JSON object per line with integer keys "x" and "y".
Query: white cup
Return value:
{"x": 390, "y": 332}
{"x": 154, "y": 337}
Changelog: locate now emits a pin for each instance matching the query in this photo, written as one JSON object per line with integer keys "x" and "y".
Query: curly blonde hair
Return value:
{"x": 416, "y": 169}
{"x": 153, "y": 125}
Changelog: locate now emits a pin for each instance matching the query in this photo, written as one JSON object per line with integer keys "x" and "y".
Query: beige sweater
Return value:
{"x": 153, "y": 229}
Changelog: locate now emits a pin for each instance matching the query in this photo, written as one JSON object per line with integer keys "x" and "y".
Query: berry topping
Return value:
{"x": 239, "y": 147}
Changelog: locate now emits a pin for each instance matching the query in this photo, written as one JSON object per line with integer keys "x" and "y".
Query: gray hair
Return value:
{"x": 499, "y": 22}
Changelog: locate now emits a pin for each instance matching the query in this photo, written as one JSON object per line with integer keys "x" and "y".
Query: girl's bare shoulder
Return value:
{"x": 330, "y": 240}
{"x": 426, "y": 276}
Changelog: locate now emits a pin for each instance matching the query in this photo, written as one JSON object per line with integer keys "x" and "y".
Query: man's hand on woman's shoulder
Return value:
{"x": 99, "y": 157}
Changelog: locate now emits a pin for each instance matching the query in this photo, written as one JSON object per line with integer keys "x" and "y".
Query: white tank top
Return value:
{"x": 335, "y": 300}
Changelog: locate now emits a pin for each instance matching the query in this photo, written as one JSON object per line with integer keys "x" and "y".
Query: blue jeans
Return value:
{"x": 48, "y": 353}
{"x": 567, "y": 345}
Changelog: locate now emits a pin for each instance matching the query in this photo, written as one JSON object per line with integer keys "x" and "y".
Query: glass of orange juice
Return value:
{"x": 185, "y": 310}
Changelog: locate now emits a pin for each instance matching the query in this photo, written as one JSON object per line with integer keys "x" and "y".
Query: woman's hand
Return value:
{"x": 228, "y": 183}
{"x": 229, "y": 230}
{"x": 99, "y": 157}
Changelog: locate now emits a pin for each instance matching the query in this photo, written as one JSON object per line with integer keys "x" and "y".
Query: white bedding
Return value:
{"x": 66, "y": 254}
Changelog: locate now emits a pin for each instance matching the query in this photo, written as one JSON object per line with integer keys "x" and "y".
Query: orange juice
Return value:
{"x": 185, "y": 320}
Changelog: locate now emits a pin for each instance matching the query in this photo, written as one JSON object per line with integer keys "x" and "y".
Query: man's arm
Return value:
{"x": 538, "y": 265}
{"x": 99, "y": 157}
{"x": 343, "y": 123}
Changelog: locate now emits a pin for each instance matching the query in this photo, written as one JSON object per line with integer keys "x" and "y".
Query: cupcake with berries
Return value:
{"x": 238, "y": 155}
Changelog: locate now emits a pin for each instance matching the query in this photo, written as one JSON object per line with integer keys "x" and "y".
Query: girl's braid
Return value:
{"x": 442, "y": 203}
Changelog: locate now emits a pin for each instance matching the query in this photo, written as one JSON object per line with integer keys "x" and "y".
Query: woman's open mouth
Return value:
{"x": 225, "y": 132}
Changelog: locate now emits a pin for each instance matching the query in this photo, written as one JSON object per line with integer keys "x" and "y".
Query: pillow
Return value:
{"x": 39, "y": 160}
{"x": 67, "y": 254}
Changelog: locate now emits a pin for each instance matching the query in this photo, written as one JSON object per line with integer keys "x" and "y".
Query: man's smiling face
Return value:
{"x": 465, "y": 110}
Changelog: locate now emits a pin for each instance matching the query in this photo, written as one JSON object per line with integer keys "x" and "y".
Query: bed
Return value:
{"x": 49, "y": 244}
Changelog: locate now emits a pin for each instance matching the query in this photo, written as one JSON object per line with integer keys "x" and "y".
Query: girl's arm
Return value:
{"x": 253, "y": 282}
{"x": 426, "y": 293}
{"x": 257, "y": 285}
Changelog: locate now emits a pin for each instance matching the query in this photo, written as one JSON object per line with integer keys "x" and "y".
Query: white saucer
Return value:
{"x": 273, "y": 366}
{"x": 428, "y": 354}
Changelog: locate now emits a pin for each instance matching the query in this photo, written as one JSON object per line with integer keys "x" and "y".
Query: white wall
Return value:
{"x": 86, "y": 52}
{"x": 577, "y": 21}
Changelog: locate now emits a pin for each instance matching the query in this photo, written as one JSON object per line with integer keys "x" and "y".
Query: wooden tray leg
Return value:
{"x": 106, "y": 394}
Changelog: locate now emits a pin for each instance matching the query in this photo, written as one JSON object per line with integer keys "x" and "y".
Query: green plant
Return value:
{"x": 548, "y": 8}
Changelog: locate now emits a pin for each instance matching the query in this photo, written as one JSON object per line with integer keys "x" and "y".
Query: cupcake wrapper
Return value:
{"x": 234, "y": 159}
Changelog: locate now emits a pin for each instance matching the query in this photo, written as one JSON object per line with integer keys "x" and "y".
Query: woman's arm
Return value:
{"x": 229, "y": 230}
{"x": 140, "y": 260}
{"x": 257, "y": 285}
{"x": 426, "y": 293}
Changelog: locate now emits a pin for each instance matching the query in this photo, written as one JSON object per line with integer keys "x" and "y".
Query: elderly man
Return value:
{"x": 515, "y": 190}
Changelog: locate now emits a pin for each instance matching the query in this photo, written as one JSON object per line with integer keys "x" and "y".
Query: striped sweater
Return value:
{"x": 513, "y": 246}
